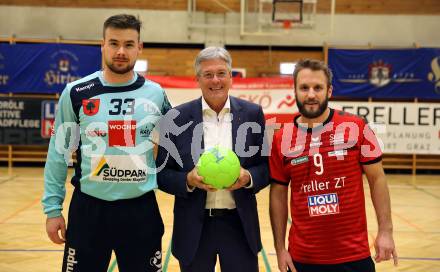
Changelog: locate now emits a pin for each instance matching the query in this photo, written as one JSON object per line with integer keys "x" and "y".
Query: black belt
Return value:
{"x": 219, "y": 212}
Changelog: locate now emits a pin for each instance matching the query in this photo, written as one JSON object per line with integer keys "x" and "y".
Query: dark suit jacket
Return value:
{"x": 189, "y": 207}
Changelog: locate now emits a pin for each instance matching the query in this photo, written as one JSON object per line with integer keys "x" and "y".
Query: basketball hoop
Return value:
{"x": 287, "y": 24}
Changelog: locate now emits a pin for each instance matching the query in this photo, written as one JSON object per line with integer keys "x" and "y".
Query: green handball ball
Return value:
{"x": 219, "y": 167}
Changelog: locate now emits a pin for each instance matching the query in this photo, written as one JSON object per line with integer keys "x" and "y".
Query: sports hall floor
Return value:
{"x": 24, "y": 246}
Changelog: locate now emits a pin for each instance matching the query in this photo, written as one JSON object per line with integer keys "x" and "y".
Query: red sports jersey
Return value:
{"x": 324, "y": 168}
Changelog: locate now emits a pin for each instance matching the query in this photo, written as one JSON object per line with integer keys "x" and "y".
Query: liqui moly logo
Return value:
{"x": 323, "y": 204}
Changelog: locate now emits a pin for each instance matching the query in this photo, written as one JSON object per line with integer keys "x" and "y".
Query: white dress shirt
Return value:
{"x": 217, "y": 131}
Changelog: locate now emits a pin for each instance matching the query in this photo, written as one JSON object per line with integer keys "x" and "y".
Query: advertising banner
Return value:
{"x": 45, "y": 68}
{"x": 386, "y": 73}
{"x": 26, "y": 121}
{"x": 404, "y": 128}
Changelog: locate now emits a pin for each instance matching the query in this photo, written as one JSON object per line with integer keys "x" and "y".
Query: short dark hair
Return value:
{"x": 123, "y": 21}
{"x": 314, "y": 65}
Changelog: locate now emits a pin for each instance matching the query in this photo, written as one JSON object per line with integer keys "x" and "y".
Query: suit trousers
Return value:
{"x": 223, "y": 235}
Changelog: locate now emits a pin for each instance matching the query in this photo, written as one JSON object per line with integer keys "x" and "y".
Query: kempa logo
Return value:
{"x": 88, "y": 87}
{"x": 71, "y": 259}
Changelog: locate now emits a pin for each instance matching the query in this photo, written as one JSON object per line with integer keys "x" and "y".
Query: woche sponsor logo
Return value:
{"x": 122, "y": 133}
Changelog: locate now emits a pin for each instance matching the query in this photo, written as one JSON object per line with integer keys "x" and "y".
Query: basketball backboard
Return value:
{"x": 272, "y": 17}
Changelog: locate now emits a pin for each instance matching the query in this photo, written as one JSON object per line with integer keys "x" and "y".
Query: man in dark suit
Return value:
{"x": 210, "y": 222}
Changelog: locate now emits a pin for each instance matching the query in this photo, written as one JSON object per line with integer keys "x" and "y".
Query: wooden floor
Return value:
{"x": 25, "y": 247}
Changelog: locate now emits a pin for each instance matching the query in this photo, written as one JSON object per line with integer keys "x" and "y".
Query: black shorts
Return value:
{"x": 364, "y": 265}
{"x": 132, "y": 228}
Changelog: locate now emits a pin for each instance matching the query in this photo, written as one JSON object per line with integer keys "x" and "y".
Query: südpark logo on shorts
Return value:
{"x": 118, "y": 168}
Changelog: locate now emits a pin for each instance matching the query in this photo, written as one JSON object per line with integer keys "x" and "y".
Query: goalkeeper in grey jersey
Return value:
{"x": 108, "y": 117}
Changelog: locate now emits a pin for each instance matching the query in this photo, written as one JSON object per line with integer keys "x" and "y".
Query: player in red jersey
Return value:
{"x": 323, "y": 155}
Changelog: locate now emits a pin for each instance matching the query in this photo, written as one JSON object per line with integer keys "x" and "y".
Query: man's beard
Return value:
{"x": 312, "y": 114}
{"x": 120, "y": 71}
